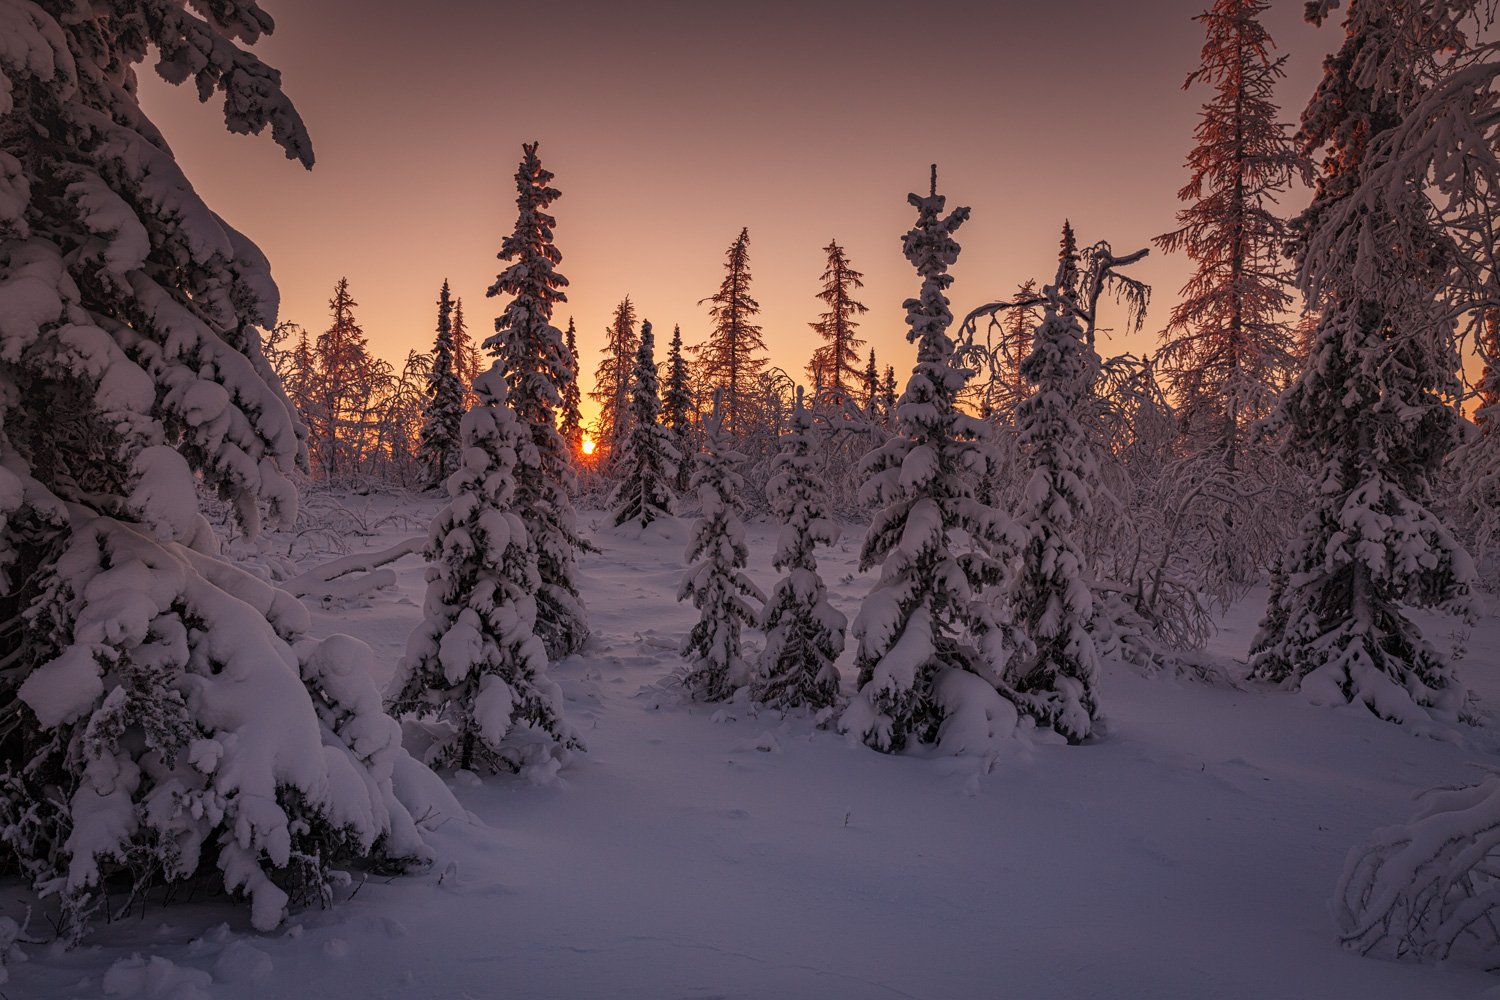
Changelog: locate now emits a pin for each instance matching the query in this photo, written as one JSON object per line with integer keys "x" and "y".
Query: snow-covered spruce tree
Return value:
{"x": 677, "y": 409}
{"x": 1398, "y": 115}
{"x": 475, "y": 660}
{"x": 160, "y": 714}
{"x": 1055, "y": 672}
{"x": 648, "y": 462}
{"x": 833, "y": 361}
{"x": 715, "y": 580}
{"x": 928, "y": 619}
{"x": 804, "y": 633}
{"x": 571, "y": 424}
{"x": 1056, "y": 619}
{"x": 445, "y": 400}
{"x": 536, "y": 364}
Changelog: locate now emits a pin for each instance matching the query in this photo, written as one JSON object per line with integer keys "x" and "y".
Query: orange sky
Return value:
{"x": 670, "y": 125}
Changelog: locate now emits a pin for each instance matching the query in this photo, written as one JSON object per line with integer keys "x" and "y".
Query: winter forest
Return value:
{"x": 1061, "y": 635}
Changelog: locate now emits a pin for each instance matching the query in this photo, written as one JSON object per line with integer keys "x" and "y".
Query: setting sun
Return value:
{"x": 588, "y": 445}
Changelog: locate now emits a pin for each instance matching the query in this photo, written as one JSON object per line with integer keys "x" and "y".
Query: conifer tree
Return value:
{"x": 612, "y": 378}
{"x": 833, "y": 363}
{"x": 466, "y": 353}
{"x": 571, "y": 426}
{"x": 1228, "y": 348}
{"x": 1371, "y": 408}
{"x": 872, "y": 388}
{"x": 648, "y": 460}
{"x": 536, "y": 366}
{"x": 163, "y": 714}
{"x": 1055, "y": 671}
{"x": 733, "y": 358}
{"x": 715, "y": 580}
{"x": 888, "y": 397}
{"x": 342, "y": 389}
{"x": 445, "y": 399}
{"x": 1016, "y": 332}
{"x": 677, "y": 407}
{"x": 804, "y": 633}
{"x": 928, "y": 616}
{"x": 475, "y": 660}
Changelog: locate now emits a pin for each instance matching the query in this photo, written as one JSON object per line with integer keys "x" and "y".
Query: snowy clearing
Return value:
{"x": 701, "y": 851}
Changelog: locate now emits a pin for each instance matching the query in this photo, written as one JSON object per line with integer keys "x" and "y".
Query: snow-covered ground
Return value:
{"x": 706, "y": 851}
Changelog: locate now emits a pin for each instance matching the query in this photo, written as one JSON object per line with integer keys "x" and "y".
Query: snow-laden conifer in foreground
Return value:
{"x": 1387, "y": 267}
{"x": 1055, "y": 670}
{"x": 445, "y": 399}
{"x": 475, "y": 662}
{"x": 715, "y": 580}
{"x": 804, "y": 633}
{"x": 930, "y": 647}
{"x": 648, "y": 461}
{"x": 537, "y": 363}
{"x": 162, "y": 712}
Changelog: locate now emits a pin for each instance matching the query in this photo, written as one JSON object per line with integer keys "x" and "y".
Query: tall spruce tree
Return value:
{"x": 571, "y": 425}
{"x": 677, "y": 410}
{"x": 1372, "y": 407}
{"x": 535, "y": 362}
{"x": 936, "y": 545}
{"x": 715, "y": 580}
{"x": 804, "y": 633}
{"x": 163, "y": 714}
{"x": 1229, "y": 349}
{"x": 445, "y": 399}
{"x": 612, "y": 378}
{"x": 834, "y": 362}
{"x": 475, "y": 661}
{"x": 648, "y": 460}
{"x": 733, "y": 358}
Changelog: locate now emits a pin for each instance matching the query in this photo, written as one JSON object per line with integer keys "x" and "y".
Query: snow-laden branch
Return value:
{"x": 335, "y": 580}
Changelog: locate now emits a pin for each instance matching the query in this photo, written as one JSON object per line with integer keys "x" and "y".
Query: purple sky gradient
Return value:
{"x": 670, "y": 125}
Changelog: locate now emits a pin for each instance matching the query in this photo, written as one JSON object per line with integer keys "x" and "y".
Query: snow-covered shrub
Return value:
{"x": 1429, "y": 889}
{"x": 475, "y": 661}
{"x": 161, "y": 716}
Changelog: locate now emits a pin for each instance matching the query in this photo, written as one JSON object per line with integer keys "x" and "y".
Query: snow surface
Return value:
{"x": 707, "y": 851}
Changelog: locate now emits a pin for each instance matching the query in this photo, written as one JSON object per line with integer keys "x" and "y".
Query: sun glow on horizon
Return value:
{"x": 588, "y": 445}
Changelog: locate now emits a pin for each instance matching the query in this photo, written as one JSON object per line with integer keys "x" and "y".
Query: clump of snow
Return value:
{"x": 155, "y": 978}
